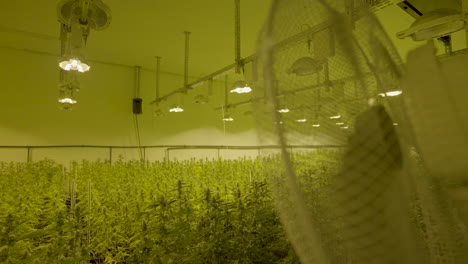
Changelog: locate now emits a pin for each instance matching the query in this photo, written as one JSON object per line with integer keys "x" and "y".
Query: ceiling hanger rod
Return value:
{"x": 237, "y": 37}
{"x": 186, "y": 65}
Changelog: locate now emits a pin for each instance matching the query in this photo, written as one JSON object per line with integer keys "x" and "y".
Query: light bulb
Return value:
{"x": 176, "y": 109}
{"x": 241, "y": 90}
{"x": 391, "y": 93}
{"x": 74, "y": 65}
{"x": 67, "y": 101}
{"x": 241, "y": 87}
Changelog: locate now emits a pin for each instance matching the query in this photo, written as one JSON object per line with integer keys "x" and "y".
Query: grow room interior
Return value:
{"x": 137, "y": 33}
{"x": 161, "y": 88}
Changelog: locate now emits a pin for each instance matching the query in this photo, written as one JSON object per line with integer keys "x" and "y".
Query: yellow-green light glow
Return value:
{"x": 228, "y": 119}
{"x": 176, "y": 109}
{"x": 241, "y": 87}
{"x": 74, "y": 65}
{"x": 391, "y": 93}
{"x": 339, "y": 123}
{"x": 241, "y": 90}
{"x": 301, "y": 120}
{"x": 67, "y": 101}
{"x": 316, "y": 125}
{"x": 283, "y": 110}
{"x": 335, "y": 117}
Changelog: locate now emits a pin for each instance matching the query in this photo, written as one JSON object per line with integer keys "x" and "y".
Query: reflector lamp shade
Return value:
{"x": 228, "y": 118}
{"x": 241, "y": 87}
{"x": 74, "y": 65}
{"x": 200, "y": 99}
{"x": 176, "y": 109}
{"x": 305, "y": 66}
{"x": 283, "y": 109}
{"x": 391, "y": 93}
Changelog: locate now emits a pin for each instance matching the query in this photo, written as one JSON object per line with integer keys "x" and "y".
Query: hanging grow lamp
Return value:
{"x": 283, "y": 110}
{"x": 228, "y": 118}
{"x": 176, "y": 109}
{"x": 241, "y": 87}
{"x": 74, "y": 65}
{"x": 391, "y": 93}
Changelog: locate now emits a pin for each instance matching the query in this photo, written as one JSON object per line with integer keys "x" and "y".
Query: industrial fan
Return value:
{"x": 332, "y": 80}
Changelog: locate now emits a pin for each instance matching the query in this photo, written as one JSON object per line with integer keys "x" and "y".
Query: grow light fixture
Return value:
{"x": 176, "y": 109}
{"x": 316, "y": 125}
{"x": 74, "y": 65}
{"x": 241, "y": 87}
{"x": 228, "y": 118}
{"x": 67, "y": 101}
{"x": 157, "y": 111}
{"x": 434, "y": 24}
{"x": 335, "y": 116}
{"x": 391, "y": 93}
{"x": 200, "y": 99}
{"x": 305, "y": 66}
{"x": 301, "y": 120}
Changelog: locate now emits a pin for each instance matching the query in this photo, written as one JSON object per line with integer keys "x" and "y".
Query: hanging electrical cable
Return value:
{"x": 137, "y": 108}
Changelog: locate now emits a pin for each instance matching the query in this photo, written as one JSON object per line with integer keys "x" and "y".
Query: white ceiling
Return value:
{"x": 143, "y": 29}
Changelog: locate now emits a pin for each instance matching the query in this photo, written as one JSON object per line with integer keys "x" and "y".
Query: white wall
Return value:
{"x": 30, "y": 114}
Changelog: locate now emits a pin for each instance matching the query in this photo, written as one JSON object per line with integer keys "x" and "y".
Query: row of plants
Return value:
{"x": 194, "y": 211}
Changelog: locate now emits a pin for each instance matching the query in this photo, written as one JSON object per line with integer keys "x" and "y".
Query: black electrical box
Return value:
{"x": 137, "y": 106}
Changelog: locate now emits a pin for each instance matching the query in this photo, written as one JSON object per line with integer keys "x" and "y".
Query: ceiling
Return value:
{"x": 142, "y": 30}
{"x": 148, "y": 28}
